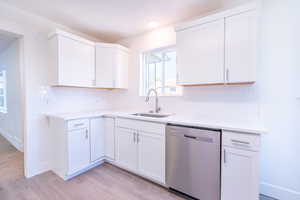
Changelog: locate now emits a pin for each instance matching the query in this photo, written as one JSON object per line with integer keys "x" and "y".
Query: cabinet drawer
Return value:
{"x": 144, "y": 126}
{"x": 78, "y": 124}
{"x": 241, "y": 140}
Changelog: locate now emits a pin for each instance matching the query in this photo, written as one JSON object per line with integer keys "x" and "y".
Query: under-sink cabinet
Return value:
{"x": 140, "y": 148}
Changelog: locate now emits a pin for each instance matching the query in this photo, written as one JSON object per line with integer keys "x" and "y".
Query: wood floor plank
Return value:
{"x": 104, "y": 182}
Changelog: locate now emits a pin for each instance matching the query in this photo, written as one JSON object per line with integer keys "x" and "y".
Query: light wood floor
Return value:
{"x": 105, "y": 182}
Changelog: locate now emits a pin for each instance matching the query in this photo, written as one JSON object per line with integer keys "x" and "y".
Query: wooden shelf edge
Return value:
{"x": 87, "y": 87}
{"x": 215, "y": 84}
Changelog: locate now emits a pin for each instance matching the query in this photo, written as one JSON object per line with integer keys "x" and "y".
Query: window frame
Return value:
{"x": 3, "y": 80}
{"x": 144, "y": 78}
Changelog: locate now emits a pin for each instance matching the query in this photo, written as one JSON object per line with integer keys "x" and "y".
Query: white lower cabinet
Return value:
{"x": 78, "y": 145}
{"x": 78, "y": 150}
{"x": 151, "y": 155}
{"x": 140, "y": 148}
{"x": 126, "y": 148}
{"x": 240, "y": 167}
{"x": 109, "y": 138}
{"x": 97, "y": 130}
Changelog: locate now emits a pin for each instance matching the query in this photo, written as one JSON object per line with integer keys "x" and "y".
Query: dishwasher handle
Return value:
{"x": 191, "y": 137}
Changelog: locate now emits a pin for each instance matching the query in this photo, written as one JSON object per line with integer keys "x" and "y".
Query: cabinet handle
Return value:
{"x": 134, "y": 139}
{"x": 81, "y": 124}
{"x": 227, "y": 75}
{"x": 225, "y": 157}
{"x": 240, "y": 142}
{"x": 86, "y": 134}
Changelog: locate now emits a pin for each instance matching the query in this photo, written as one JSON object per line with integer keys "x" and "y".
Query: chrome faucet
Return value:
{"x": 157, "y": 108}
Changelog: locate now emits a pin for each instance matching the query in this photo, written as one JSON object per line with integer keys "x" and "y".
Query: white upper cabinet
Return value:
{"x": 240, "y": 52}
{"x": 218, "y": 49}
{"x": 200, "y": 54}
{"x": 111, "y": 66}
{"x": 73, "y": 61}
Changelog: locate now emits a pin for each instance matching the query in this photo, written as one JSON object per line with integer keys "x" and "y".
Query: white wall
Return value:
{"x": 280, "y": 108}
{"x": 271, "y": 100}
{"x": 33, "y": 31}
{"x": 11, "y": 123}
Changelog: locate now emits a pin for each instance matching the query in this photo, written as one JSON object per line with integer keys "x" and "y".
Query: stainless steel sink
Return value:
{"x": 154, "y": 115}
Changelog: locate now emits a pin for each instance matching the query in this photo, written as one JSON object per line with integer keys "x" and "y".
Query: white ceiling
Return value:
{"x": 112, "y": 20}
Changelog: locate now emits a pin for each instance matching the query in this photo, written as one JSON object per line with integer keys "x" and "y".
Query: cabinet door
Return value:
{"x": 151, "y": 156}
{"x": 126, "y": 148}
{"x": 105, "y": 59}
{"x": 78, "y": 150}
{"x": 121, "y": 72}
{"x": 240, "y": 174}
{"x": 200, "y": 54}
{"x": 109, "y": 138}
{"x": 240, "y": 48}
{"x": 97, "y": 129}
{"x": 76, "y": 62}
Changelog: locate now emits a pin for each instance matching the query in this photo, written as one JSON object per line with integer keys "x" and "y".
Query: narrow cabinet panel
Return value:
{"x": 78, "y": 150}
{"x": 200, "y": 54}
{"x": 240, "y": 51}
{"x": 151, "y": 156}
{"x": 109, "y": 138}
{"x": 126, "y": 148}
{"x": 97, "y": 129}
{"x": 240, "y": 174}
{"x": 105, "y": 60}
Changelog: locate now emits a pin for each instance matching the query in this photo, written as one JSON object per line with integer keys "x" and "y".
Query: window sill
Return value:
{"x": 3, "y": 111}
{"x": 170, "y": 95}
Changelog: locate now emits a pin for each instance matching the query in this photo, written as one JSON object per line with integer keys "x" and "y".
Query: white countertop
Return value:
{"x": 251, "y": 127}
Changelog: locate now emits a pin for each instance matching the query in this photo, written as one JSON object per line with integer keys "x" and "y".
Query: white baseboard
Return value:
{"x": 278, "y": 192}
{"x": 13, "y": 140}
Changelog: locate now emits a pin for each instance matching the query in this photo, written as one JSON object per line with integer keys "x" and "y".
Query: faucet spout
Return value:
{"x": 157, "y": 108}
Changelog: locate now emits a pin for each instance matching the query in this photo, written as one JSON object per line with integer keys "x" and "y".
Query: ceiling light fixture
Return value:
{"x": 153, "y": 24}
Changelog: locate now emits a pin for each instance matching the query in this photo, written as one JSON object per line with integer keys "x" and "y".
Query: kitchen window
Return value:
{"x": 3, "y": 104}
{"x": 158, "y": 72}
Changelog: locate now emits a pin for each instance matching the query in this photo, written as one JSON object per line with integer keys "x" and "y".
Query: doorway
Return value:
{"x": 11, "y": 108}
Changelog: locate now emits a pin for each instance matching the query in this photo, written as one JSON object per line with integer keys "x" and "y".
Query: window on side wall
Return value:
{"x": 158, "y": 71}
{"x": 3, "y": 104}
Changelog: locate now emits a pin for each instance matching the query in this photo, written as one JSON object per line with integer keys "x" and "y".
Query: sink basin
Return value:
{"x": 154, "y": 115}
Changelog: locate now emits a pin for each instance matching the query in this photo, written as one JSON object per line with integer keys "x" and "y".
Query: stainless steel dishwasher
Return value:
{"x": 193, "y": 165}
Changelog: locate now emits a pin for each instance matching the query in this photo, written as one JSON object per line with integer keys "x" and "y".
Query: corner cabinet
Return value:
{"x": 140, "y": 148}
{"x": 78, "y": 145}
{"x": 72, "y": 61}
{"x": 112, "y": 62}
{"x": 240, "y": 166}
{"x": 77, "y": 62}
{"x": 218, "y": 49}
